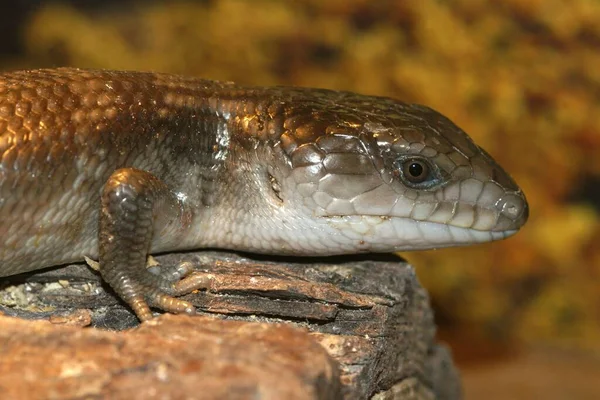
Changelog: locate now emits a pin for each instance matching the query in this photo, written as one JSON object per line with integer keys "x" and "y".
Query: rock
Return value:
{"x": 372, "y": 317}
{"x": 172, "y": 357}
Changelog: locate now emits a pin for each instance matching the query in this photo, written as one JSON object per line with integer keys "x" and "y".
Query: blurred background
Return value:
{"x": 522, "y": 77}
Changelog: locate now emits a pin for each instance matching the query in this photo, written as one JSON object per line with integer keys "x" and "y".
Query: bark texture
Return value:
{"x": 256, "y": 335}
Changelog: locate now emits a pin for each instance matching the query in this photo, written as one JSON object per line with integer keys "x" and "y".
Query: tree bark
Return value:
{"x": 258, "y": 320}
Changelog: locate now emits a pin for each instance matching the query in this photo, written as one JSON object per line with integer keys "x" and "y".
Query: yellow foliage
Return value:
{"x": 521, "y": 76}
{"x": 563, "y": 234}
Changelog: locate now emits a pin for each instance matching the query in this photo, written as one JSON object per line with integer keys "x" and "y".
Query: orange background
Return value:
{"x": 522, "y": 77}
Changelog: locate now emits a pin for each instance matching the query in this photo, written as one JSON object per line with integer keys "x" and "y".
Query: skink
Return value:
{"x": 116, "y": 165}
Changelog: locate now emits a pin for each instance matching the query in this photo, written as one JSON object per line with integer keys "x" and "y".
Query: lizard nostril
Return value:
{"x": 514, "y": 206}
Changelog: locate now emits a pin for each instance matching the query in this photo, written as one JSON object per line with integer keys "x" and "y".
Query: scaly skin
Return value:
{"x": 117, "y": 165}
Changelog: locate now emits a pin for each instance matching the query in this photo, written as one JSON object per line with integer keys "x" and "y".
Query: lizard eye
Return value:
{"x": 417, "y": 172}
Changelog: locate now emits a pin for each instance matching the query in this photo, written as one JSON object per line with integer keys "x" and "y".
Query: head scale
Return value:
{"x": 392, "y": 176}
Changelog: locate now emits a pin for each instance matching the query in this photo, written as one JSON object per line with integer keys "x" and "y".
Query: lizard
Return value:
{"x": 117, "y": 165}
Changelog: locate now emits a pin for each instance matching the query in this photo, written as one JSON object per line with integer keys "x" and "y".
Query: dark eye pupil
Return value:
{"x": 415, "y": 169}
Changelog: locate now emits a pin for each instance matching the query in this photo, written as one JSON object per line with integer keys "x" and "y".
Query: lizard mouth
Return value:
{"x": 382, "y": 233}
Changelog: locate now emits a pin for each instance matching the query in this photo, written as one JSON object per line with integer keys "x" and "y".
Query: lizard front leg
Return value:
{"x": 136, "y": 205}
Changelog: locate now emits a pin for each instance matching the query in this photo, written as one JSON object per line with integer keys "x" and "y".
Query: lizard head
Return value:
{"x": 389, "y": 176}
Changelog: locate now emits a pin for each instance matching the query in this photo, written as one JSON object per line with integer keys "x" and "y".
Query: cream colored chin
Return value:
{"x": 384, "y": 234}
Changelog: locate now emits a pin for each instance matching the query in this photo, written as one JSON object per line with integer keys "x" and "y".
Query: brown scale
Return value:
{"x": 114, "y": 165}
